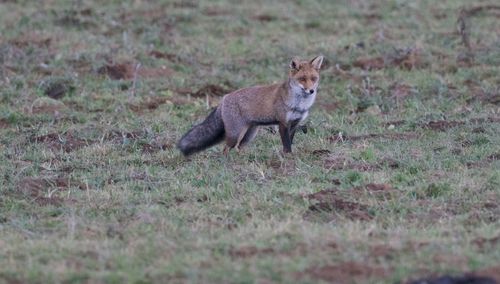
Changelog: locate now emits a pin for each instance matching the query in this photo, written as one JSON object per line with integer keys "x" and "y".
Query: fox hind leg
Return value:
{"x": 234, "y": 134}
{"x": 242, "y": 135}
{"x": 249, "y": 136}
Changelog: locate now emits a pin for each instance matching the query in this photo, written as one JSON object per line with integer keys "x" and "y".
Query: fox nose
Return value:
{"x": 311, "y": 91}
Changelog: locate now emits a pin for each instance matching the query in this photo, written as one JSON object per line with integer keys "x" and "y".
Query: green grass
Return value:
{"x": 93, "y": 189}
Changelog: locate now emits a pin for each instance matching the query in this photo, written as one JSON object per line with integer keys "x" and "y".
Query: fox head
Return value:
{"x": 304, "y": 75}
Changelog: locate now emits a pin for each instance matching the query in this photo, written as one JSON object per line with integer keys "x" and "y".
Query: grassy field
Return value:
{"x": 397, "y": 177}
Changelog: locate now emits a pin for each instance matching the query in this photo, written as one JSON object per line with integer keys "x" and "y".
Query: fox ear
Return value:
{"x": 294, "y": 64}
{"x": 316, "y": 62}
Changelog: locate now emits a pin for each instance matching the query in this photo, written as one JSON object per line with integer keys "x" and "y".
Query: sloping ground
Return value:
{"x": 394, "y": 178}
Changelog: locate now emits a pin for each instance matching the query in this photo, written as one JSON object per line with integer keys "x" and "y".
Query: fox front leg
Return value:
{"x": 285, "y": 138}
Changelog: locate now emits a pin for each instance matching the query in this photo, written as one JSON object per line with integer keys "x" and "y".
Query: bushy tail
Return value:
{"x": 203, "y": 135}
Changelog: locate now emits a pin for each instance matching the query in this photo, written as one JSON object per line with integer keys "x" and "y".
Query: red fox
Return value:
{"x": 240, "y": 113}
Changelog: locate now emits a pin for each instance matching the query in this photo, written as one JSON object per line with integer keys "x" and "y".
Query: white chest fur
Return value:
{"x": 299, "y": 105}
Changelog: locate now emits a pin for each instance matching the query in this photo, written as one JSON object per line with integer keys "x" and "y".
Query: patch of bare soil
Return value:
{"x": 151, "y": 148}
{"x": 329, "y": 106}
{"x": 4, "y": 123}
{"x": 321, "y": 152}
{"x": 441, "y": 125}
{"x": 163, "y": 55}
{"x": 66, "y": 142}
{"x": 328, "y": 202}
{"x": 215, "y": 11}
{"x": 148, "y": 103}
{"x": 492, "y": 272}
{"x": 266, "y": 18}
{"x": 382, "y": 251}
{"x": 128, "y": 71}
{"x": 43, "y": 190}
{"x": 347, "y": 272}
{"x": 57, "y": 91}
{"x": 409, "y": 59}
{"x": 32, "y": 39}
{"x": 369, "y": 63}
{"x": 210, "y": 90}
{"x": 487, "y": 243}
{"x": 249, "y": 251}
{"x": 380, "y": 190}
{"x": 448, "y": 279}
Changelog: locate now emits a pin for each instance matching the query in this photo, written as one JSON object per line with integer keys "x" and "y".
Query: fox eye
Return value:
{"x": 314, "y": 79}
{"x": 302, "y": 79}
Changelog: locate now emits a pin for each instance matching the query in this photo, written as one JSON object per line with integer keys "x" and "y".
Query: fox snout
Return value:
{"x": 308, "y": 91}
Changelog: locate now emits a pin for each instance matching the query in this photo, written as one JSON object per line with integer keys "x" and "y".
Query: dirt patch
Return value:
{"x": 369, "y": 63}
{"x": 215, "y": 12}
{"x": 210, "y": 90}
{"x": 328, "y": 106}
{"x": 378, "y": 187}
{"x": 382, "y": 190}
{"x": 32, "y": 39}
{"x": 163, "y": 55}
{"x": 4, "y": 123}
{"x": 408, "y": 59}
{"x": 328, "y": 202}
{"x": 43, "y": 191}
{"x": 321, "y": 152}
{"x": 382, "y": 251}
{"x": 492, "y": 272}
{"x": 348, "y": 272}
{"x": 66, "y": 142}
{"x": 249, "y": 251}
{"x": 447, "y": 279}
{"x": 483, "y": 243}
{"x": 56, "y": 88}
{"x": 128, "y": 71}
{"x": 57, "y": 91}
{"x": 148, "y": 103}
{"x": 265, "y": 18}
{"x": 151, "y": 148}
{"x": 441, "y": 125}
